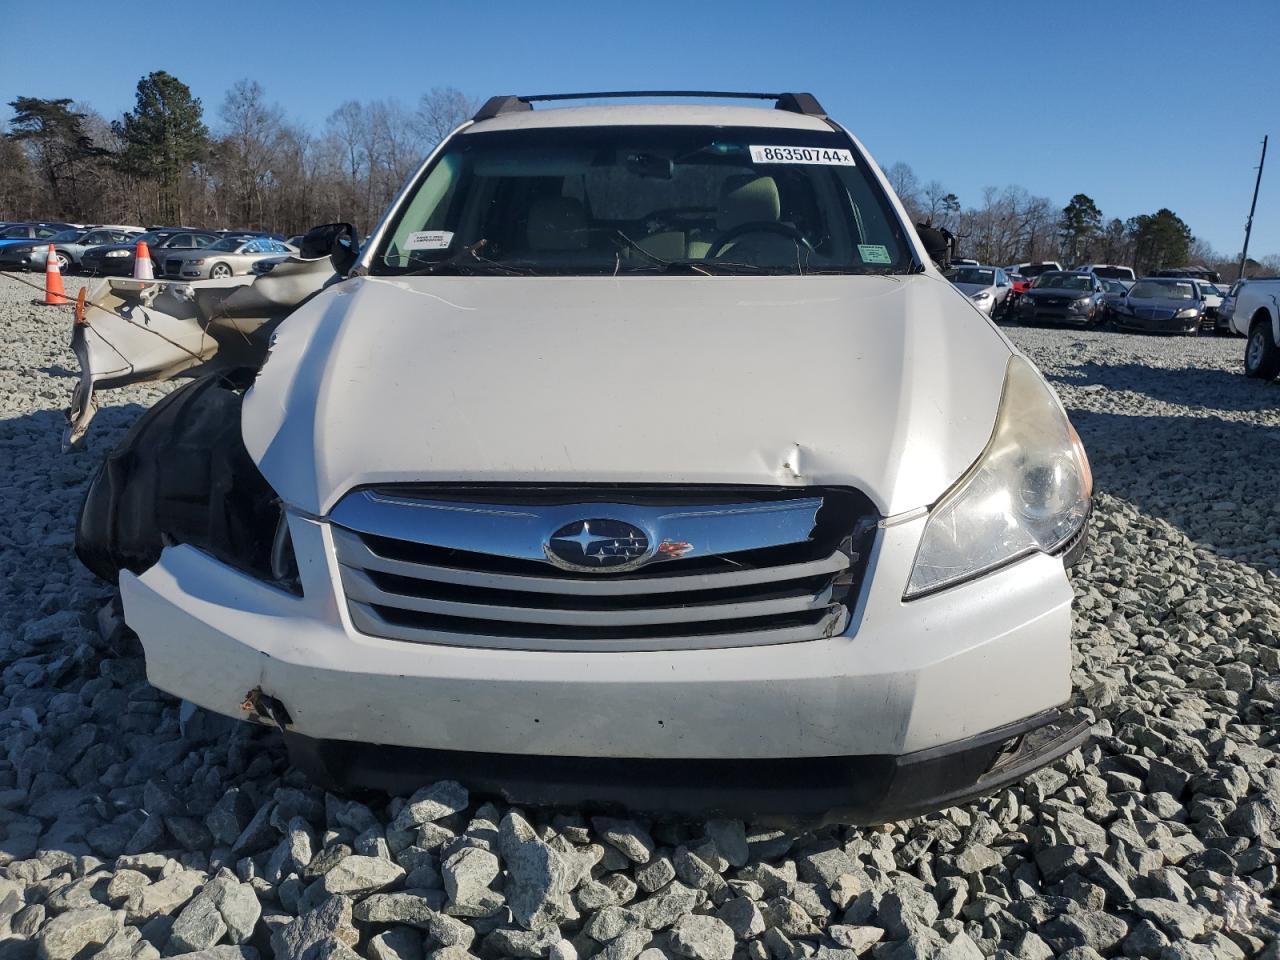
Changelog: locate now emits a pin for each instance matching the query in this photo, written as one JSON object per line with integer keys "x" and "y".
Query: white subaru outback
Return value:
{"x": 641, "y": 456}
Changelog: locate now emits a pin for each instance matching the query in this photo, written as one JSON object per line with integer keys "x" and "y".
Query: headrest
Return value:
{"x": 748, "y": 198}
{"x": 557, "y": 223}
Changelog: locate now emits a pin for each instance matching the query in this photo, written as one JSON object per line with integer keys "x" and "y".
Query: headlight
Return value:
{"x": 1187, "y": 314}
{"x": 195, "y": 262}
{"x": 1081, "y": 305}
{"x": 118, "y": 253}
{"x": 1028, "y": 492}
{"x": 982, "y": 295}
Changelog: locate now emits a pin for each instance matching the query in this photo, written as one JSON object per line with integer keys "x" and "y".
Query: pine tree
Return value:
{"x": 164, "y": 138}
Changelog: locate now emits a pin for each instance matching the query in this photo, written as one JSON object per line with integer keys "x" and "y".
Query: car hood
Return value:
{"x": 13, "y": 241}
{"x": 887, "y": 384}
{"x": 969, "y": 289}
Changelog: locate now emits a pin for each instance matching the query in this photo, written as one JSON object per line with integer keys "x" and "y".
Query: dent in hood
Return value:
{"x": 886, "y": 384}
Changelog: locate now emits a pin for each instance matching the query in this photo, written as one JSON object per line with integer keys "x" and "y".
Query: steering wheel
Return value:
{"x": 758, "y": 226}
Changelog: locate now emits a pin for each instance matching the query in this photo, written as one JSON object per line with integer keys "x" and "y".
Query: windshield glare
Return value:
{"x": 227, "y": 244}
{"x": 1062, "y": 281}
{"x": 1162, "y": 290}
{"x": 604, "y": 200}
{"x": 971, "y": 275}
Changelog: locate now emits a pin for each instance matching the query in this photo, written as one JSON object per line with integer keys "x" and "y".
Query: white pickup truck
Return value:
{"x": 1257, "y": 316}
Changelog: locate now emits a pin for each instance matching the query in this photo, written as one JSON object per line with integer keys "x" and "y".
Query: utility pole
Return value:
{"x": 1248, "y": 224}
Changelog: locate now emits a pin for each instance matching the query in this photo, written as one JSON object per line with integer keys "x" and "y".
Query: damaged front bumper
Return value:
{"x": 863, "y": 789}
{"x": 913, "y": 707}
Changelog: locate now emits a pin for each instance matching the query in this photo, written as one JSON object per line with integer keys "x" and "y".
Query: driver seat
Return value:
{"x": 745, "y": 198}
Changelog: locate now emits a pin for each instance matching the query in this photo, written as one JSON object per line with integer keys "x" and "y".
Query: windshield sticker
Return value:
{"x": 824, "y": 155}
{"x": 874, "y": 253}
{"x": 428, "y": 240}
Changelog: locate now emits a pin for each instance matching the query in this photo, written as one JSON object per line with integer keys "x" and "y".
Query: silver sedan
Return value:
{"x": 230, "y": 256}
{"x": 987, "y": 287}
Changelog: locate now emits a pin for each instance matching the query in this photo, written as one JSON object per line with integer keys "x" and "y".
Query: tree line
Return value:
{"x": 1011, "y": 225}
{"x": 252, "y": 167}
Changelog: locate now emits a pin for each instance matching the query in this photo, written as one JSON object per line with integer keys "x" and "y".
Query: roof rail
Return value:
{"x": 804, "y": 103}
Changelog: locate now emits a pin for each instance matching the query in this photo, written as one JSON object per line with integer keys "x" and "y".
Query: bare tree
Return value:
{"x": 440, "y": 111}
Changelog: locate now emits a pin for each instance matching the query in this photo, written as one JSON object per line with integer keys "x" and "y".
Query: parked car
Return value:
{"x": 1113, "y": 292}
{"x": 1161, "y": 305}
{"x": 22, "y": 233}
{"x": 1062, "y": 296}
{"x": 264, "y": 234}
{"x": 118, "y": 259}
{"x": 1256, "y": 315}
{"x": 1192, "y": 273}
{"x": 436, "y": 524}
{"x": 987, "y": 287}
{"x": 70, "y": 253}
{"x": 1227, "y": 308}
{"x": 17, "y": 255}
{"x": 1212, "y": 295}
{"x": 1032, "y": 270}
{"x": 229, "y": 256}
{"x": 1110, "y": 271}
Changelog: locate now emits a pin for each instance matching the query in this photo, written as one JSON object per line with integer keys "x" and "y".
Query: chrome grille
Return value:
{"x": 468, "y": 568}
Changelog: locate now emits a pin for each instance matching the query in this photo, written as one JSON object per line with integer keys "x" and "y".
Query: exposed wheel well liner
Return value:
{"x": 181, "y": 474}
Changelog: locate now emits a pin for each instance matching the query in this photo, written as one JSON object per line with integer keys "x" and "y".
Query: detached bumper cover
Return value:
{"x": 867, "y": 789}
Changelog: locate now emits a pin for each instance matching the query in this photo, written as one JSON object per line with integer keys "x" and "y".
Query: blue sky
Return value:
{"x": 1138, "y": 104}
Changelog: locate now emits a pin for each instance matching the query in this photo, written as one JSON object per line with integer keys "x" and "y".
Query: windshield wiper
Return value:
{"x": 459, "y": 263}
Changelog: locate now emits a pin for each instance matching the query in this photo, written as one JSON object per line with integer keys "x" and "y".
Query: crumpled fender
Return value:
{"x": 181, "y": 474}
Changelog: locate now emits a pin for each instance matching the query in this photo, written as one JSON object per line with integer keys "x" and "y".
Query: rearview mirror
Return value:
{"x": 337, "y": 241}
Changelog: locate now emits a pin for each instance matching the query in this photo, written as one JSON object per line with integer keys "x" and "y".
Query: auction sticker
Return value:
{"x": 428, "y": 240}
{"x": 829, "y": 156}
{"x": 874, "y": 253}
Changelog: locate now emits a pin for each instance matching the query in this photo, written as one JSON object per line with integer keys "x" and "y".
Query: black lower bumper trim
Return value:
{"x": 866, "y": 789}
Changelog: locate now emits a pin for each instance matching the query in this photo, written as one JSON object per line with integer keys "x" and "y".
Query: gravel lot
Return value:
{"x": 133, "y": 827}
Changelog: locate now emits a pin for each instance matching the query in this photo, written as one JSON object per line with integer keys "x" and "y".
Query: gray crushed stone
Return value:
{"x": 135, "y": 827}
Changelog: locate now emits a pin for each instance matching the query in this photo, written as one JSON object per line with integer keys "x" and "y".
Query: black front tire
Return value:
{"x": 1261, "y": 354}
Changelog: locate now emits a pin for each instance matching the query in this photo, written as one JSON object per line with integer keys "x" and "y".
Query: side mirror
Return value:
{"x": 337, "y": 241}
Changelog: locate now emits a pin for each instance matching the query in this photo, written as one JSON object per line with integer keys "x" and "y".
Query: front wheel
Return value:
{"x": 64, "y": 261}
{"x": 1261, "y": 354}
{"x": 220, "y": 271}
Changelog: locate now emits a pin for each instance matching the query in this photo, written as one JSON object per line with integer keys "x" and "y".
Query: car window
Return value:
{"x": 973, "y": 275}
{"x": 227, "y": 244}
{"x": 1163, "y": 290}
{"x": 592, "y": 200}
{"x": 45, "y": 232}
{"x": 1064, "y": 281}
{"x": 21, "y": 230}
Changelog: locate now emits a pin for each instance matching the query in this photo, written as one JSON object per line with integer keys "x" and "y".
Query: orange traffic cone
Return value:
{"x": 142, "y": 262}
{"x": 54, "y": 295}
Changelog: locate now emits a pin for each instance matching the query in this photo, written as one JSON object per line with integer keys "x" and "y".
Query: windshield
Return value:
{"x": 1113, "y": 286}
{"x": 970, "y": 275}
{"x": 1113, "y": 273}
{"x": 227, "y": 244}
{"x": 1162, "y": 290}
{"x": 1062, "y": 281}
{"x": 604, "y": 200}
